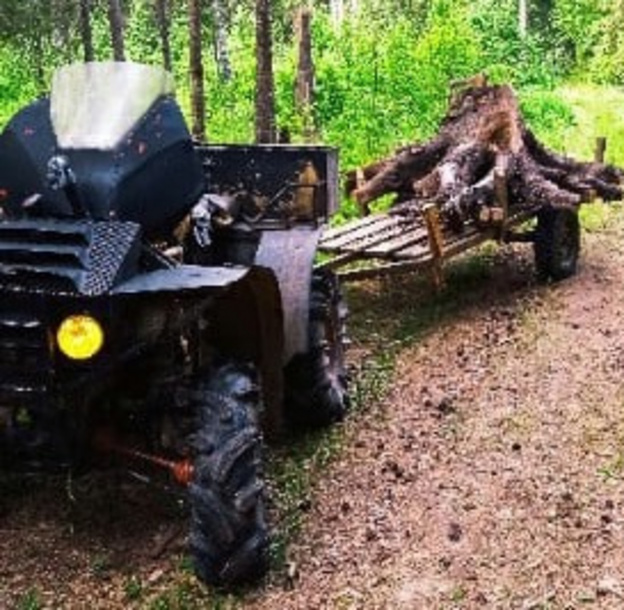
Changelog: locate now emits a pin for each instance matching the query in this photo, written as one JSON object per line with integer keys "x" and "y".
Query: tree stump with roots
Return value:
{"x": 482, "y": 136}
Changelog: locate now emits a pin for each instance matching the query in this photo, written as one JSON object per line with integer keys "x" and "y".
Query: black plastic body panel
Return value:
{"x": 152, "y": 177}
{"x": 273, "y": 172}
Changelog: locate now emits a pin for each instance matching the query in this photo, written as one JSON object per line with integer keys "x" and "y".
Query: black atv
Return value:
{"x": 158, "y": 300}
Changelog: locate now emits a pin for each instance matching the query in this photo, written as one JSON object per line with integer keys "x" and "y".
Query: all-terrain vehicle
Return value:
{"x": 158, "y": 300}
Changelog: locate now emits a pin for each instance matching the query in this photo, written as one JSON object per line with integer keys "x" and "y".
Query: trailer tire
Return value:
{"x": 316, "y": 381}
{"x": 229, "y": 536}
{"x": 557, "y": 243}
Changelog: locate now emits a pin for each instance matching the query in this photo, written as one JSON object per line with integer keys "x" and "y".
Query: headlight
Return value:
{"x": 80, "y": 337}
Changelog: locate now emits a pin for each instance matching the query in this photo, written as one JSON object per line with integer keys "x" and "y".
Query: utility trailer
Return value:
{"x": 412, "y": 237}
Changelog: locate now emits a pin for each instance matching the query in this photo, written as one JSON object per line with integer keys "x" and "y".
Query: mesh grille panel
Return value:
{"x": 82, "y": 257}
{"x": 111, "y": 243}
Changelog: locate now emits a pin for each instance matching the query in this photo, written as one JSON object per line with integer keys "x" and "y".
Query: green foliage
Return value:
{"x": 17, "y": 87}
{"x": 381, "y": 76}
{"x": 589, "y": 34}
{"x": 507, "y": 56}
{"x": 607, "y": 62}
{"x": 549, "y": 115}
{"x": 598, "y": 112}
{"x": 387, "y": 86}
{"x": 133, "y": 589}
{"x": 577, "y": 24}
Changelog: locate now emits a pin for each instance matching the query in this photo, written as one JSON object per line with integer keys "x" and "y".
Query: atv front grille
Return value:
{"x": 25, "y": 358}
{"x": 66, "y": 256}
{"x": 111, "y": 243}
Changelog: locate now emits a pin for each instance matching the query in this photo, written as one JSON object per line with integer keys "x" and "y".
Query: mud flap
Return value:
{"x": 290, "y": 255}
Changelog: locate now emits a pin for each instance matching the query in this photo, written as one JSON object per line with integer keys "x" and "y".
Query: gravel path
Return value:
{"x": 492, "y": 475}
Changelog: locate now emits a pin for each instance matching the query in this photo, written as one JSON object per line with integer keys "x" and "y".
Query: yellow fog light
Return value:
{"x": 80, "y": 337}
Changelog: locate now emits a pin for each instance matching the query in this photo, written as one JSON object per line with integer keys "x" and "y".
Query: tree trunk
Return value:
{"x": 336, "y": 8}
{"x": 265, "y": 89}
{"x": 115, "y": 19}
{"x": 62, "y": 32}
{"x": 163, "y": 17}
{"x": 222, "y": 55}
{"x": 523, "y": 17}
{"x": 304, "y": 83}
{"x": 198, "y": 110}
{"x": 38, "y": 58}
{"x": 86, "y": 32}
{"x": 483, "y": 133}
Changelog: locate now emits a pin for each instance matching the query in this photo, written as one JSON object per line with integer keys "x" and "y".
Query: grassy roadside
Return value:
{"x": 598, "y": 111}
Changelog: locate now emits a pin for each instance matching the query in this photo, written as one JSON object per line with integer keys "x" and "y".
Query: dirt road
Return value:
{"x": 490, "y": 476}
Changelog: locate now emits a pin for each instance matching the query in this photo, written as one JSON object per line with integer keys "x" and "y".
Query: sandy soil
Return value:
{"x": 491, "y": 476}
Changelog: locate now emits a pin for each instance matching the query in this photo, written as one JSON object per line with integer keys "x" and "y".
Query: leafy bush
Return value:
{"x": 577, "y": 25}
{"x": 528, "y": 61}
{"x": 547, "y": 114}
{"x": 378, "y": 88}
{"x": 17, "y": 87}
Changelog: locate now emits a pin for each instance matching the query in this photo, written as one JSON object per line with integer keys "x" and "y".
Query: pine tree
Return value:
{"x": 115, "y": 19}
{"x": 265, "y": 88}
{"x": 198, "y": 109}
{"x": 163, "y": 16}
{"x": 86, "y": 32}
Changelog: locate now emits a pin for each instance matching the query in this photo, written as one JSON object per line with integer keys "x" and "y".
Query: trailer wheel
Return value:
{"x": 229, "y": 537}
{"x": 316, "y": 382}
{"x": 557, "y": 243}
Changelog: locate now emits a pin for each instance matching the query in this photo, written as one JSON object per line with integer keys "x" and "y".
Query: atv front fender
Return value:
{"x": 182, "y": 278}
{"x": 290, "y": 255}
{"x": 244, "y": 318}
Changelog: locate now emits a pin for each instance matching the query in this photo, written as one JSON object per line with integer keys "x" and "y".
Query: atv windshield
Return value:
{"x": 94, "y": 105}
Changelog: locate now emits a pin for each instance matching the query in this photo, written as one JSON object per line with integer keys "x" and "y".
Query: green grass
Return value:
{"x": 133, "y": 589}
{"x": 293, "y": 468}
{"x": 598, "y": 111}
{"x": 31, "y": 600}
{"x": 599, "y": 216}
{"x": 404, "y": 309}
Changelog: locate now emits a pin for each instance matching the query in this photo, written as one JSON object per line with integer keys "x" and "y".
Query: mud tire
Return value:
{"x": 229, "y": 536}
{"x": 557, "y": 244}
{"x": 316, "y": 381}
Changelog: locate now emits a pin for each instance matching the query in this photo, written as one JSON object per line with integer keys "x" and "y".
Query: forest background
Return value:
{"x": 381, "y": 68}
